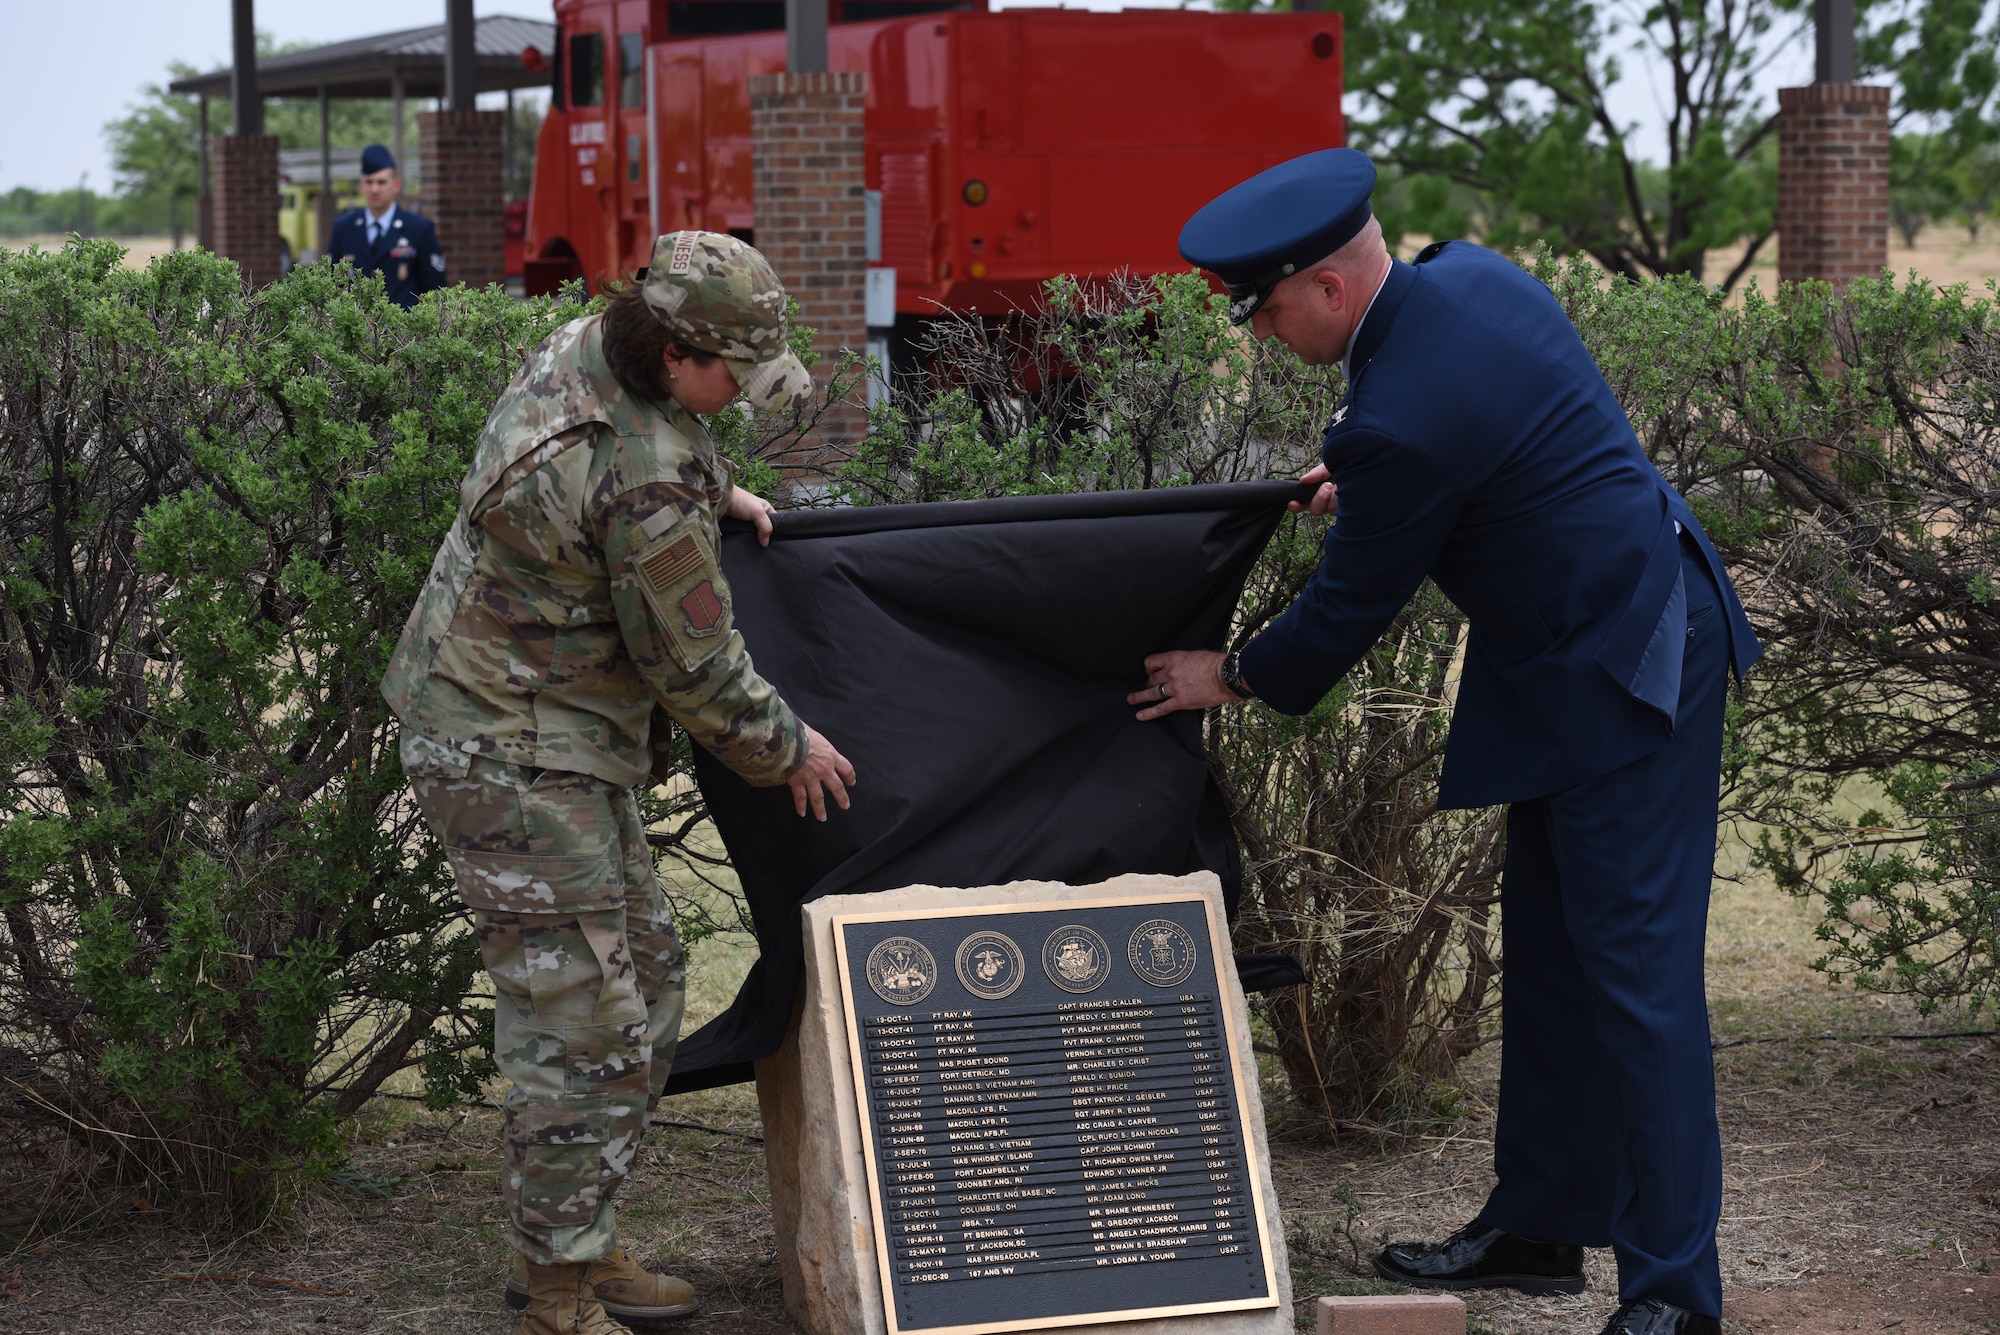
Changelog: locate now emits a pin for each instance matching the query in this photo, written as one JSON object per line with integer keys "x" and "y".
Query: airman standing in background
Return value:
{"x": 384, "y": 238}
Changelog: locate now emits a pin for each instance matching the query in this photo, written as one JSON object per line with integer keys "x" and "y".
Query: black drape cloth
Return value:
{"x": 972, "y": 659}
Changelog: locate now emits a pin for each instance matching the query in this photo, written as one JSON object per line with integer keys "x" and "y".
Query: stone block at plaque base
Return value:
{"x": 1393, "y": 1314}
{"x": 813, "y": 1133}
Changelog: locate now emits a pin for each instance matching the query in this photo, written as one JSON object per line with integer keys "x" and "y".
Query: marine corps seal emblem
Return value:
{"x": 902, "y": 971}
{"x": 990, "y": 965}
{"x": 1160, "y": 952}
{"x": 1076, "y": 958}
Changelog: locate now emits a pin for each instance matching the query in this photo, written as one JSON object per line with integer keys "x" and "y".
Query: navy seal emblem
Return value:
{"x": 1076, "y": 959}
{"x": 990, "y": 965}
{"x": 1161, "y": 952}
{"x": 901, "y": 971}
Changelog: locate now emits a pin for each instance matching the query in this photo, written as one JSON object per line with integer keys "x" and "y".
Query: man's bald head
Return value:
{"x": 1316, "y": 310}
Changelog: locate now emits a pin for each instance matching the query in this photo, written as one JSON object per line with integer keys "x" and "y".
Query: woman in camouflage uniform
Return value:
{"x": 575, "y": 608}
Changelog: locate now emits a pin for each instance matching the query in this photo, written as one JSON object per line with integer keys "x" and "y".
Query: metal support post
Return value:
{"x": 805, "y": 36}
{"x": 323, "y": 206}
{"x": 396, "y": 115}
{"x": 1833, "y": 41}
{"x": 461, "y": 57}
{"x": 243, "y": 77}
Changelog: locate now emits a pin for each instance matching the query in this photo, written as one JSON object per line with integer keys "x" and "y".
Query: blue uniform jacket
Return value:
{"x": 407, "y": 255}
{"x": 1479, "y": 445}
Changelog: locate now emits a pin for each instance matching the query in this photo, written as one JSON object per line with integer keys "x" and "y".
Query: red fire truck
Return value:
{"x": 1002, "y": 148}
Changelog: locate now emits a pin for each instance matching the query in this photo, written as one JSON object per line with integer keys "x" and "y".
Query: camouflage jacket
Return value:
{"x": 578, "y": 592}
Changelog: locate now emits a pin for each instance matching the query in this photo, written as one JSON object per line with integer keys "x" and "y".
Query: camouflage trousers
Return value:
{"x": 587, "y": 979}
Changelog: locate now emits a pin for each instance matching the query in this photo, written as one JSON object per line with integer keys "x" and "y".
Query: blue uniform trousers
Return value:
{"x": 1607, "y": 1129}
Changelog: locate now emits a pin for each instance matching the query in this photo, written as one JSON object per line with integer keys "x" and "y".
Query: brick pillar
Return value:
{"x": 1833, "y": 182}
{"x": 464, "y": 191}
{"x": 812, "y": 213}
{"x": 244, "y": 212}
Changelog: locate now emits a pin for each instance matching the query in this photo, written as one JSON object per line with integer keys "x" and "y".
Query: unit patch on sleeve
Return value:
{"x": 678, "y": 576}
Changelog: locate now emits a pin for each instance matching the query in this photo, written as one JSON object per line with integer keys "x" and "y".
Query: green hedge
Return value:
{"x": 222, "y": 925}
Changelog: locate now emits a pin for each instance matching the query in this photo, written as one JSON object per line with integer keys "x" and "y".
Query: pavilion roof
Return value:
{"x": 364, "y": 66}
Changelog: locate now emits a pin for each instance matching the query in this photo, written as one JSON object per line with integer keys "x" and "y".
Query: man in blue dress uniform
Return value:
{"x": 384, "y": 238}
{"x": 1480, "y": 446}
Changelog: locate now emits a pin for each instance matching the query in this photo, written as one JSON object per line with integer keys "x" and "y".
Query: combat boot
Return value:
{"x": 627, "y": 1290}
{"x": 559, "y": 1302}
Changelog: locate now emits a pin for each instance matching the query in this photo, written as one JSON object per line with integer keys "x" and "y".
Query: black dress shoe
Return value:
{"x": 1650, "y": 1316}
{"x": 1480, "y": 1256}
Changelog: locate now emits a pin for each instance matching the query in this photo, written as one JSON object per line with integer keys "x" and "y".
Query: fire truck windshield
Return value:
{"x": 586, "y": 69}
{"x": 722, "y": 18}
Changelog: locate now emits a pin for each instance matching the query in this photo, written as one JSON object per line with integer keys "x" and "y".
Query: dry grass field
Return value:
{"x": 1943, "y": 254}
{"x": 1862, "y": 1181}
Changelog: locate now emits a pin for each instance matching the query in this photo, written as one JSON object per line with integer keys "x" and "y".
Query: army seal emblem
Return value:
{"x": 1160, "y": 952}
{"x": 901, "y": 971}
{"x": 990, "y": 965}
{"x": 1076, "y": 959}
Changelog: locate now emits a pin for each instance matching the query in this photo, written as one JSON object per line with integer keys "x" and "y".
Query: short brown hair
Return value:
{"x": 635, "y": 342}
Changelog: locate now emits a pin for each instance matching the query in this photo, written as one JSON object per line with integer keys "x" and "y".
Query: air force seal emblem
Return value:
{"x": 901, "y": 971}
{"x": 990, "y": 965}
{"x": 1076, "y": 959}
{"x": 1160, "y": 952}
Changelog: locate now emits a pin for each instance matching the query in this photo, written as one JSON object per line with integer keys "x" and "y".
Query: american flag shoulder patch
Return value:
{"x": 664, "y": 567}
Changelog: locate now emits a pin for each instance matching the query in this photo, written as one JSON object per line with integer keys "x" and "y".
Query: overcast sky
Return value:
{"x": 79, "y": 63}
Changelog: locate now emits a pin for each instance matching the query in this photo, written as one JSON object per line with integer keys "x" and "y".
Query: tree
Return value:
{"x": 1923, "y": 184}
{"x": 1844, "y": 453}
{"x": 156, "y": 144}
{"x": 156, "y": 150}
{"x": 222, "y": 922}
{"x": 1978, "y": 177}
{"x": 1506, "y": 103}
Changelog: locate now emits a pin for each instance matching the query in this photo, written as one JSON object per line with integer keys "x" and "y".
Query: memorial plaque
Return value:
{"x": 1053, "y": 1121}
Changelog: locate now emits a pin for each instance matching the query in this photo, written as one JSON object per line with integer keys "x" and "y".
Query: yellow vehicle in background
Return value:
{"x": 298, "y": 199}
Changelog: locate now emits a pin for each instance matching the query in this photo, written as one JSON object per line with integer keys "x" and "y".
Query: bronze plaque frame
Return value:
{"x": 1235, "y": 1050}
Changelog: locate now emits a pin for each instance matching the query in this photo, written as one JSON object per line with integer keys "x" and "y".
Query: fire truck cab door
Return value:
{"x": 679, "y": 151}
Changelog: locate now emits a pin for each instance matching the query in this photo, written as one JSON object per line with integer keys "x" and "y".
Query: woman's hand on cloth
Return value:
{"x": 756, "y": 511}
{"x": 1182, "y": 679}
{"x": 823, "y": 771}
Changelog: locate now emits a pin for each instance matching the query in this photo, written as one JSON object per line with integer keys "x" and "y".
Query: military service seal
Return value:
{"x": 1161, "y": 952}
{"x": 990, "y": 965}
{"x": 902, "y": 971}
{"x": 1076, "y": 958}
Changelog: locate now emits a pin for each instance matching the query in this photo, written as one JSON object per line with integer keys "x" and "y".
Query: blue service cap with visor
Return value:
{"x": 376, "y": 158}
{"x": 1255, "y": 235}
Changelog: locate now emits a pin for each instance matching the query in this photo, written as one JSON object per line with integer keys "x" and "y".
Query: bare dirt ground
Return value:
{"x": 1862, "y": 1193}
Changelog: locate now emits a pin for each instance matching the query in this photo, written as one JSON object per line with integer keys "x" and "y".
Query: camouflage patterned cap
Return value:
{"x": 716, "y": 293}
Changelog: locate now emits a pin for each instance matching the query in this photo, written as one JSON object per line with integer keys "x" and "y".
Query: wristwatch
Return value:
{"x": 1232, "y": 678}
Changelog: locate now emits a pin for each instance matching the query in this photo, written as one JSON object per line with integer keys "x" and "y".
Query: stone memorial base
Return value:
{"x": 812, "y": 1127}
